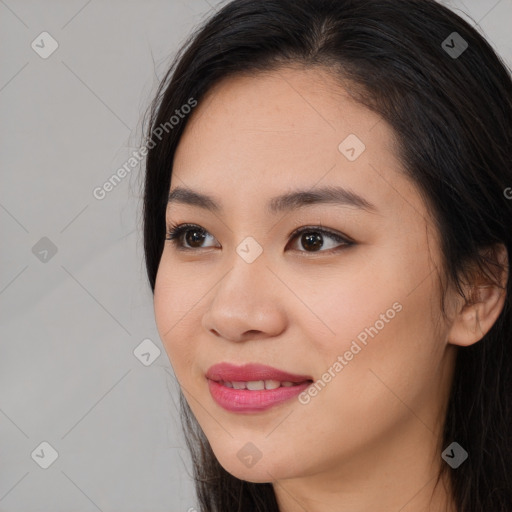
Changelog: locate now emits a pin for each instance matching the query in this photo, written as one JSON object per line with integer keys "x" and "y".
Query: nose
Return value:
{"x": 248, "y": 303}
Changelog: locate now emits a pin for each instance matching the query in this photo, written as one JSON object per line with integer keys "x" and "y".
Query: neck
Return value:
{"x": 400, "y": 474}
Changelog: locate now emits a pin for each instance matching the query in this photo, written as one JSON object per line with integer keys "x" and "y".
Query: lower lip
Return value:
{"x": 245, "y": 400}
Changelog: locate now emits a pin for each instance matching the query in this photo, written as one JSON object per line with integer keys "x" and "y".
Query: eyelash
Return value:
{"x": 175, "y": 231}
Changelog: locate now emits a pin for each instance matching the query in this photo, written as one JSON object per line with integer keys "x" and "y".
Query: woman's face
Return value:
{"x": 351, "y": 305}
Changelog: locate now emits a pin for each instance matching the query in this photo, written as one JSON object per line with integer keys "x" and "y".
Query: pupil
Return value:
{"x": 194, "y": 236}
{"x": 312, "y": 241}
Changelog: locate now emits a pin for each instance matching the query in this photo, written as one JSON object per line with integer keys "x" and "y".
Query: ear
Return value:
{"x": 474, "y": 318}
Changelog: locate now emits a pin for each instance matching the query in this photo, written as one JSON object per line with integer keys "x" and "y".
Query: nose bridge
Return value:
{"x": 248, "y": 275}
{"x": 244, "y": 300}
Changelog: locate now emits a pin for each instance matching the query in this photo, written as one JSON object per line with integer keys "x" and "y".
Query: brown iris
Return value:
{"x": 311, "y": 241}
{"x": 194, "y": 236}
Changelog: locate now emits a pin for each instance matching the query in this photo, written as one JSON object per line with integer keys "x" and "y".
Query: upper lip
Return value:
{"x": 227, "y": 372}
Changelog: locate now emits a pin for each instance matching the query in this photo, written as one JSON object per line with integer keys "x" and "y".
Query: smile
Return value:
{"x": 258, "y": 385}
{"x": 245, "y": 400}
{"x": 253, "y": 387}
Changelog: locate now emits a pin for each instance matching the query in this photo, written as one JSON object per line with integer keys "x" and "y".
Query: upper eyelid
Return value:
{"x": 322, "y": 229}
{"x": 185, "y": 225}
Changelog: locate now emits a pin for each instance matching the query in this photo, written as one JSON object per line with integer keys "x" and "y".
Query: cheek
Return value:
{"x": 346, "y": 304}
{"x": 386, "y": 355}
{"x": 381, "y": 322}
{"x": 175, "y": 298}
{"x": 178, "y": 289}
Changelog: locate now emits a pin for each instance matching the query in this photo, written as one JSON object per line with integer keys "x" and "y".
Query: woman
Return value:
{"x": 327, "y": 236}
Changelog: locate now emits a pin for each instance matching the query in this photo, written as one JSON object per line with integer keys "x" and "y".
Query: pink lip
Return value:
{"x": 251, "y": 371}
{"x": 244, "y": 400}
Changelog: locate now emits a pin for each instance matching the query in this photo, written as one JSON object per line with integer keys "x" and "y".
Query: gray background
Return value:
{"x": 70, "y": 321}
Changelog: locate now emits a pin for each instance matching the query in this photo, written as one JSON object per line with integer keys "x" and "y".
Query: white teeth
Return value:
{"x": 272, "y": 384}
{"x": 258, "y": 385}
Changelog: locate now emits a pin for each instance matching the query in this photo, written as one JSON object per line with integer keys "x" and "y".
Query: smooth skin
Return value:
{"x": 370, "y": 439}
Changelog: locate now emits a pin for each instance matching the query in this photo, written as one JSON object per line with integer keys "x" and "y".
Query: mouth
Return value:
{"x": 253, "y": 373}
{"x": 253, "y": 387}
{"x": 258, "y": 385}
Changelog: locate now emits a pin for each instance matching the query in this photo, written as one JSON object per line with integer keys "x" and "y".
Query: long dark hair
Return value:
{"x": 452, "y": 116}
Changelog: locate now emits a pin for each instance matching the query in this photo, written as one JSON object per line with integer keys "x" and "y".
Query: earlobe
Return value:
{"x": 475, "y": 319}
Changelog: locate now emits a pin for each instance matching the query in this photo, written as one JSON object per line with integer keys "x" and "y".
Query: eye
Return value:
{"x": 312, "y": 238}
{"x": 188, "y": 236}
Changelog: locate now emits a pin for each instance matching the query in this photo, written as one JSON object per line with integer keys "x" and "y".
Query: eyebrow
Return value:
{"x": 283, "y": 203}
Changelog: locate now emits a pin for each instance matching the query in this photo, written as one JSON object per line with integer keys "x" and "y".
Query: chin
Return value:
{"x": 254, "y": 475}
{"x": 262, "y": 470}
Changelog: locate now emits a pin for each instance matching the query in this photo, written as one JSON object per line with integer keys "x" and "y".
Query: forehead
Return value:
{"x": 279, "y": 108}
{"x": 282, "y": 130}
